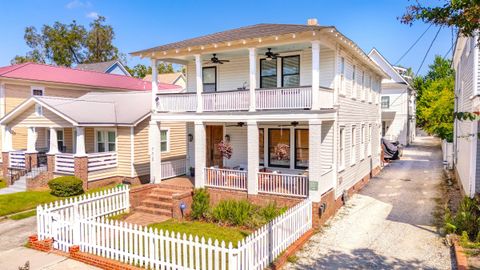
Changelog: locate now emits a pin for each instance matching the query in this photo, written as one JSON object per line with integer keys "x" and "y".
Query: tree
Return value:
{"x": 435, "y": 99}
{"x": 99, "y": 42}
{"x": 140, "y": 70}
{"x": 463, "y": 14}
{"x": 68, "y": 44}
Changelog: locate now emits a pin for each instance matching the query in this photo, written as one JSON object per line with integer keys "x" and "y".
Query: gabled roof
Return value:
{"x": 246, "y": 32}
{"x": 93, "y": 109}
{"x": 388, "y": 68}
{"x": 170, "y": 78}
{"x": 103, "y": 67}
{"x": 56, "y": 74}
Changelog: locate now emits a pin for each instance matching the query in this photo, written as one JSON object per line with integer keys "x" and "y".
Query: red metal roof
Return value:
{"x": 49, "y": 73}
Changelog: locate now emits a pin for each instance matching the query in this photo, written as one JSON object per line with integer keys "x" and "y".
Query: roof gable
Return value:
{"x": 378, "y": 58}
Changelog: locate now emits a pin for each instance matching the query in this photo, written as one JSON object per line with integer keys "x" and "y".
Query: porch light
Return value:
{"x": 190, "y": 137}
{"x": 227, "y": 138}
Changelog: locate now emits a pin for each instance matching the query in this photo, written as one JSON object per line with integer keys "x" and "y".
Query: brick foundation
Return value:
{"x": 187, "y": 198}
{"x": 40, "y": 182}
{"x": 81, "y": 170}
{"x": 41, "y": 245}
{"x": 31, "y": 161}
{"x": 97, "y": 261}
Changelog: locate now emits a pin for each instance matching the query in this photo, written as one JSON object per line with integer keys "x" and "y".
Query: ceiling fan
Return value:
{"x": 239, "y": 124}
{"x": 271, "y": 55}
{"x": 294, "y": 124}
{"x": 215, "y": 60}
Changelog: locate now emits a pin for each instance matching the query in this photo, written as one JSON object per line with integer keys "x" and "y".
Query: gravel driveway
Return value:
{"x": 389, "y": 224}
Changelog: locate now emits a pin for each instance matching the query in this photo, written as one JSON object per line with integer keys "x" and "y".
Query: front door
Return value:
{"x": 214, "y": 136}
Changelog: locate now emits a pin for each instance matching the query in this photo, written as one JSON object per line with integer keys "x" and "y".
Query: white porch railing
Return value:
{"x": 225, "y": 178}
{"x": 283, "y": 184}
{"x": 172, "y": 168}
{"x": 226, "y": 101}
{"x": 284, "y": 98}
{"x": 16, "y": 159}
{"x": 102, "y": 161}
{"x": 182, "y": 102}
{"x": 65, "y": 163}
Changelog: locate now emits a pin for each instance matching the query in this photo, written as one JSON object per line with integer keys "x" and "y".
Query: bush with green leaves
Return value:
{"x": 200, "y": 204}
{"x": 466, "y": 221}
{"x": 66, "y": 186}
{"x": 233, "y": 212}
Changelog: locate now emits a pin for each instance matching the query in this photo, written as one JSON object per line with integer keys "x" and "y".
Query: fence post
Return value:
{"x": 232, "y": 257}
{"x": 76, "y": 224}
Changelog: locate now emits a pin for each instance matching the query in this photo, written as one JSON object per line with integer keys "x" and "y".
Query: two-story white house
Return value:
{"x": 282, "y": 109}
{"x": 397, "y": 102}
{"x": 467, "y": 99}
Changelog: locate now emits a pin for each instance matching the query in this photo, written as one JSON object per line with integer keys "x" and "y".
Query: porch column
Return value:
{"x": 155, "y": 153}
{"x": 316, "y": 75}
{"x": 200, "y": 153}
{"x": 31, "y": 140}
{"x": 6, "y": 139}
{"x": 80, "y": 159}
{"x": 154, "y": 84}
{"x": 253, "y": 156}
{"x": 80, "y": 146}
{"x": 199, "y": 82}
{"x": 252, "y": 56}
{"x": 314, "y": 158}
{"x": 53, "y": 147}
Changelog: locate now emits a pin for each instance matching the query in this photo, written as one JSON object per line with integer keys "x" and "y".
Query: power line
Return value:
{"x": 430, "y": 47}
{"x": 413, "y": 45}
{"x": 445, "y": 56}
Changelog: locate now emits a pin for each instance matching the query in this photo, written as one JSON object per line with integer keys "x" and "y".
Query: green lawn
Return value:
{"x": 3, "y": 183}
{"x": 22, "y": 201}
{"x": 207, "y": 230}
{"x": 23, "y": 215}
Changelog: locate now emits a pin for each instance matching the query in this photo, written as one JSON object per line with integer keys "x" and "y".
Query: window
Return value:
{"x": 268, "y": 73}
{"x": 37, "y": 91}
{"x": 38, "y": 110}
{"x": 261, "y": 146}
{"x": 301, "y": 148}
{"x": 209, "y": 79}
{"x": 105, "y": 140}
{"x": 363, "y": 92}
{"x": 354, "y": 81}
{"x": 279, "y": 147}
{"x": 60, "y": 140}
{"x": 291, "y": 71}
{"x": 362, "y": 142}
{"x": 353, "y": 154}
{"x": 370, "y": 89}
{"x": 385, "y": 102}
{"x": 342, "y": 75}
{"x": 164, "y": 140}
{"x": 341, "y": 155}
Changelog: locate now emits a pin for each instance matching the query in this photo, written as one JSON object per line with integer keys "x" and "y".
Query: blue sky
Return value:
{"x": 143, "y": 24}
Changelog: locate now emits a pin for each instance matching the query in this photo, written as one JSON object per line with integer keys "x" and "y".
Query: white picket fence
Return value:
{"x": 225, "y": 178}
{"x": 283, "y": 184}
{"x": 60, "y": 220}
{"x": 71, "y": 225}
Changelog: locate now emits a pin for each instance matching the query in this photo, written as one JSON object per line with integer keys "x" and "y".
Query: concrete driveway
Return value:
{"x": 389, "y": 224}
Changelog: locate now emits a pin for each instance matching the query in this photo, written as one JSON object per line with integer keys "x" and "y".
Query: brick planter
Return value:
{"x": 41, "y": 245}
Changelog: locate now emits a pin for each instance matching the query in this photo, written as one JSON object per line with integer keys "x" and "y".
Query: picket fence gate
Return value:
{"x": 152, "y": 249}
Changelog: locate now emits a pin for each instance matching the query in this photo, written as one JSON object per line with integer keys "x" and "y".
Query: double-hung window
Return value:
{"x": 353, "y": 154}
{"x": 60, "y": 140}
{"x": 385, "y": 102}
{"x": 105, "y": 140}
{"x": 341, "y": 156}
{"x": 291, "y": 71}
{"x": 268, "y": 73}
{"x": 164, "y": 140}
{"x": 209, "y": 79}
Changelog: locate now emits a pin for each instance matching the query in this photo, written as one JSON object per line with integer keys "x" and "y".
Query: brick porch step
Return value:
{"x": 157, "y": 204}
{"x": 154, "y": 210}
{"x": 166, "y": 191}
{"x": 159, "y": 197}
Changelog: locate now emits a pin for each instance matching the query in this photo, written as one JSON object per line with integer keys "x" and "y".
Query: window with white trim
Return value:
{"x": 37, "y": 91}
{"x": 105, "y": 140}
{"x": 164, "y": 140}
{"x": 353, "y": 154}
{"x": 362, "y": 142}
{"x": 60, "y": 140}
{"x": 363, "y": 92}
{"x": 342, "y": 75}
{"x": 385, "y": 102}
{"x": 341, "y": 156}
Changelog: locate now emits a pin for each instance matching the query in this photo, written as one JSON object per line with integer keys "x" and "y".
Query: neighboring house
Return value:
{"x": 109, "y": 67}
{"x": 467, "y": 99}
{"x": 66, "y": 92}
{"x": 176, "y": 78}
{"x": 397, "y": 102}
{"x": 296, "y": 107}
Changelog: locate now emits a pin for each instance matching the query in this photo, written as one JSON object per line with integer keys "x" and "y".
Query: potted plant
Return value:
{"x": 192, "y": 171}
{"x": 225, "y": 149}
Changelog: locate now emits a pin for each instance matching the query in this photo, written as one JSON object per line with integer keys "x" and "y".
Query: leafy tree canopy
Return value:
{"x": 140, "y": 70}
{"x": 67, "y": 44}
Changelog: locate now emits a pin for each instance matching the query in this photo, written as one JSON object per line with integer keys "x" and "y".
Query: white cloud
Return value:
{"x": 92, "y": 15}
{"x": 78, "y": 4}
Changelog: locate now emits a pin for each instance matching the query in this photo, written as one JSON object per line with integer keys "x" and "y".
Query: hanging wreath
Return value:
{"x": 225, "y": 149}
{"x": 281, "y": 151}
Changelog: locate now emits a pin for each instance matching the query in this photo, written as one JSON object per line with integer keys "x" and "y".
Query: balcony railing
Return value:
{"x": 65, "y": 163}
{"x": 294, "y": 98}
{"x": 226, "y": 101}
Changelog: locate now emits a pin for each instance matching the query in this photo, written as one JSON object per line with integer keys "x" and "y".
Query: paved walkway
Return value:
{"x": 389, "y": 224}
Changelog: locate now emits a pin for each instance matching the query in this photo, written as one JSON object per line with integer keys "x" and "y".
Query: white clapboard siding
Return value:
{"x": 65, "y": 163}
{"x": 102, "y": 161}
{"x": 172, "y": 168}
{"x": 225, "y": 178}
{"x": 283, "y": 184}
{"x": 16, "y": 159}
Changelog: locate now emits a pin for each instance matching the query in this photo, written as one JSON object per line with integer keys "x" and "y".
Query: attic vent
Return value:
{"x": 312, "y": 21}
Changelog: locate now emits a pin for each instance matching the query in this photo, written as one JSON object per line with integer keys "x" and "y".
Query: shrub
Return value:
{"x": 200, "y": 204}
{"x": 233, "y": 212}
{"x": 466, "y": 221}
{"x": 271, "y": 211}
{"x": 66, "y": 186}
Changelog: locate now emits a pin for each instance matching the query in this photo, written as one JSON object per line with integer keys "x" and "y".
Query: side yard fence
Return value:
{"x": 153, "y": 249}
{"x": 447, "y": 150}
